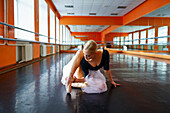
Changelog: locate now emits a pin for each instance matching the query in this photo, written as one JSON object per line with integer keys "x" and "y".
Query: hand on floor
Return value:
{"x": 115, "y": 84}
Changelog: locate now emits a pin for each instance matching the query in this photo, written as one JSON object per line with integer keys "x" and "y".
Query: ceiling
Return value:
{"x": 100, "y": 7}
{"x": 128, "y": 29}
{"x": 104, "y": 8}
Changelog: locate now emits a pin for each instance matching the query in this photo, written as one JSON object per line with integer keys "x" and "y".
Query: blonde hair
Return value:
{"x": 90, "y": 46}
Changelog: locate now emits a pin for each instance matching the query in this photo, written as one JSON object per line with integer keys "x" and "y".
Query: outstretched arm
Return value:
{"x": 108, "y": 74}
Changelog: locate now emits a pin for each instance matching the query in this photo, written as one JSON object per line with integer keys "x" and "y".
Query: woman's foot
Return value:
{"x": 68, "y": 88}
{"x": 79, "y": 84}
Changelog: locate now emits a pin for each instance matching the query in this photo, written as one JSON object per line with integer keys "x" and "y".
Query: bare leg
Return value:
{"x": 79, "y": 80}
{"x": 79, "y": 73}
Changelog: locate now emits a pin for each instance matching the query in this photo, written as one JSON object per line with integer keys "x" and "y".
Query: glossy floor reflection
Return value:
{"x": 36, "y": 88}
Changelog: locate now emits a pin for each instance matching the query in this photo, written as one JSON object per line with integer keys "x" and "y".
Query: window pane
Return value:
{"x": 162, "y": 31}
{"x": 43, "y": 21}
{"x": 122, "y": 40}
{"x": 126, "y": 40}
{"x": 130, "y": 39}
{"x": 57, "y": 30}
{"x": 24, "y": 18}
{"x": 151, "y": 34}
{"x": 114, "y": 41}
{"x": 135, "y": 38}
{"x": 143, "y": 37}
{"x": 52, "y": 27}
{"x": 118, "y": 39}
{"x": 64, "y": 33}
{"x": 61, "y": 34}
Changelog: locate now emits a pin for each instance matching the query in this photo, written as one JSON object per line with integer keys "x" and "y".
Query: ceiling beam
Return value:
{"x": 110, "y": 29}
{"x": 151, "y": 21}
{"x": 91, "y": 20}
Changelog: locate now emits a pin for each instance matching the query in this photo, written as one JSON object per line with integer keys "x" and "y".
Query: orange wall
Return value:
{"x": 151, "y": 21}
{"x": 96, "y": 36}
{"x": 48, "y": 49}
{"x": 8, "y": 53}
{"x": 168, "y": 38}
{"x": 36, "y": 50}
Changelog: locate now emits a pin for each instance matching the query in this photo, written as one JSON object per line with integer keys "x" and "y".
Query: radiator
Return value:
{"x": 57, "y": 48}
{"x": 53, "y": 49}
{"x": 43, "y": 51}
{"x": 27, "y": 52}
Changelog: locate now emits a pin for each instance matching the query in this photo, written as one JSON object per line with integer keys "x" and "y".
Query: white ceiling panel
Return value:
{"x": 100, "y": 7}
{"x": 127, "y": 29}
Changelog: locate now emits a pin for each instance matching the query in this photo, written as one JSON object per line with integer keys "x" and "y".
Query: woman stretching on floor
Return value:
{"x": 83, "y": 70}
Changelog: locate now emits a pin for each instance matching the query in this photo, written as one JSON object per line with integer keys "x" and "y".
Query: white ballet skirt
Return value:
{"x": 96, "y": 82}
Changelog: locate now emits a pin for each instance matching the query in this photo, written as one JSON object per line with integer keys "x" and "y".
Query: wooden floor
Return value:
{"x": 36, "y": 88}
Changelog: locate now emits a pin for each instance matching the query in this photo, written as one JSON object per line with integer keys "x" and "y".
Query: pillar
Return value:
{"x": 156, "y": 39}
{"x": 168, "y": 46}
{"x": 146, "y": 46}
{"x": 36, "y": 46}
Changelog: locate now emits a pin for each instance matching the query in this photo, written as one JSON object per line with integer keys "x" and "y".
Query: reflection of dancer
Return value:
{"x": 83, "y": 70}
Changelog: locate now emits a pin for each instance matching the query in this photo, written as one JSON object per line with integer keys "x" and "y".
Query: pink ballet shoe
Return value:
{"x": 68, "y": 88}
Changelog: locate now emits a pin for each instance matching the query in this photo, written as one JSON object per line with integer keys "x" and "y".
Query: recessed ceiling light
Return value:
{"x": 121, "y": 7}
{"x": 69, "y": 6}
{"x": 106, "y": 6}
{"x": 88, "y": 25}
{"x": 92, "y": 13}
{"x": 160, "y": 15}
{"x": 102, "y": 26}
{"x": 70, "y": 13}
{"x": 114, "y": 14}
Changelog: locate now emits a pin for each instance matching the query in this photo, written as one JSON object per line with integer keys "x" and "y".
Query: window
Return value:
{"x": 151, "y": 34}
{"x": 143, "y": 37}
{"x": 72, "y": 40}
{"x": 68, "y": 36}
{"x": 162, "y": 31}
{"x": 136, "y": 38}
{"x": 52, "y": 27}
{"x": 43, "y": 21}
{"x": 64, "y": 34}
{"x": 24, "y": 18}
{"x": 130, "y": 39}
{"x": 126, "y": 40}
{"x": 122, "y": 40}
{"x": 117, "y": 40}
{"x": 61, "y": 34}
{"x": 57, "y": 30}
